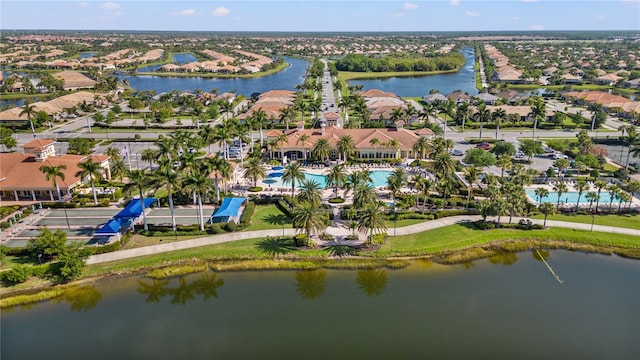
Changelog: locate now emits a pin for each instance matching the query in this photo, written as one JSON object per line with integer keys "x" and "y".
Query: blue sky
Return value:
{"x": 322, "y": 15}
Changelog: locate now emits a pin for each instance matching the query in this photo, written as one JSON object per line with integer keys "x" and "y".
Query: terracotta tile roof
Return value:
{"x": 74, "y": 79}
{"x": 21, "y": 171}
{"x": 361, "y": 137}
{"x": 38, "y": 144}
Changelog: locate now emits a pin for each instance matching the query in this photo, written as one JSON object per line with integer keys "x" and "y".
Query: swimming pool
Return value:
{"x": 568, "y": 197}
{"x": 378, "y": 177}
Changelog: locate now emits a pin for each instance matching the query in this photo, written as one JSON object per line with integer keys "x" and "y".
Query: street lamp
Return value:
{"x": 593, "y": 219}
{"x": 395, "y": 220}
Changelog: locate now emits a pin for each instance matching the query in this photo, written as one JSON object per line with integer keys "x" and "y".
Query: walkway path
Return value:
{"x": 406, "y": 230}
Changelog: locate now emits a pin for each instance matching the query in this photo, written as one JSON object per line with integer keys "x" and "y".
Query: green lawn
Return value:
{"x": 625, "y": 221}
{"x": 461, "y": 236}
{"x": 268, "y": 217}
{"x": 404, "y": 222}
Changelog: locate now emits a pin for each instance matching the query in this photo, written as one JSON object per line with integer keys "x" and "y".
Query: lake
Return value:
{"x": 505, "y": 307}
{"x": 421, "y": 85}
{"x": 286, "y": 79}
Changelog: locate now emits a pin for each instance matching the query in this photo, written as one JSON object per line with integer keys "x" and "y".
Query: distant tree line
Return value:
{"x": 363, "y": 63}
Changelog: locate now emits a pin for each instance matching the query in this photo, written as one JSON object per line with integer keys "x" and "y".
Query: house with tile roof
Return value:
{"x": 21, "y": 179}
{"x": 74, "y": 80}
{"x": 296, "y": 147}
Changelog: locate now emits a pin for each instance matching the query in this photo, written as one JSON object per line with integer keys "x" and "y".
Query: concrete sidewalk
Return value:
{"x": 405, "y": 230}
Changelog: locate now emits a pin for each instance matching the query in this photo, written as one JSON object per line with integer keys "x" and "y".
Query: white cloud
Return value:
{"x": 410, "y": 6}
{"x": 397, "y": 15}
{"x": 515, "y": 18}
{"x": 185, "y": 12}
{"x": 536, "y": 27}
{"x": 472, "y": 13}
{"x": 632, "y": 3}
{"x": 83, "y": 4}
{"x": 221, "y": 11}
{"x": 455, "y": 2}
{"x": 110, "y": 6}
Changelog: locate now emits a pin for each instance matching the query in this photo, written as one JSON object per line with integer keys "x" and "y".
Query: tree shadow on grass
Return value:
{"x": 275, "y": 246}
{"x": 278, "y": 219}
{"x": 340, "y": 250}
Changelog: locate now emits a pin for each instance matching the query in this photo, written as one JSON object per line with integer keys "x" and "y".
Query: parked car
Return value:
{"x": 557, "y": 156}
{"x": 484, "y": 146}
{"x": 457, "y": 152}
{"x": 519, "y": 155}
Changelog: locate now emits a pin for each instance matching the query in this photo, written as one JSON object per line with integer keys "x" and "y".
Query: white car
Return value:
{"x": 557, "y": 156}
{"x": 457, "y": 152}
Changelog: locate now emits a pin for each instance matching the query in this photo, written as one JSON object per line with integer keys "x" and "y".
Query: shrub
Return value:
{"x": 337, "y": 200}
{"x": 447, "y": 213}
{"x": 19, "y": 274}
{"x": 255, "y": 189}
{"x": 245, "y": 219}
{"x": 215, "y": 229}
{"x": 231, "y": 226}
{"x": 378, "y": 239}
{"x": 484, "y": 225}
{"x": 114, "y": 246}
{"x": 14, "y": 251}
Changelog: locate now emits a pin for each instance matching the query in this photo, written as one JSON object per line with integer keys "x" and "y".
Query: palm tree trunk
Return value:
{"x": 200, "y": 213}
{"x": 261, "y": 138}
{"x": 58, "y": 191}
{"x": 173, "y": 217}
{"x": 217, "y": 190}
{"x": 545, "y": 220}
{"x": 481, "y": 122}
{"x": 144, "y": 216}
{"x": 93, "y": 190}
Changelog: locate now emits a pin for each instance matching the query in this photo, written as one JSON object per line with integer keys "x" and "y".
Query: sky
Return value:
{"x": 321, "y": 15}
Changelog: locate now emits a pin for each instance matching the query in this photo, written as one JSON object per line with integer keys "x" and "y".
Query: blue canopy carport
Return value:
{"x": 134, "y": 208}
{"x": 111, "y": 228}
{"x": 229, "y": 210}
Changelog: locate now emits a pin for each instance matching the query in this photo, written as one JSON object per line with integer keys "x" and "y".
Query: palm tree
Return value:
{"x": 322, "y": 149}
{"x": 504, "y": 163}
{"x": 52, "y": 173}
{"x": 446, "y": 185}
{"x": 581, "y": 186}
{"x": 310, "y": 192}
{"x": 286, "y": 115}
{"x": 30, "y": 111}
{"x": 623, "y": 197}
{"x": 396, "y": 180}
{"x": 420, "y": 147}
{"x": 94, "y": 171}
{"x": 336, "y": 177}
{"x": 363, "y": 194}
{"x": 259, "y": 117}
{"x": 198, "y": 183}
{"x": 346, "y": 146}
{"x": 471, "y": 175}
{"x": 150, "y": 154}
{"x": 631, "y": 139}
{"x": 255, "y": 171}
{"x": 371, "y": 220}
{"x": 221, "y": 170}
{"x": 208, "y": 135}
{"x": 293, "y": 173}
{"x": 538, "y": 110}
{"x": 302, "y": 139}
{"x": 560, "y": 188}
{"x": 169, "y": 179}
{"x": 613, "y": 190}
{"x": 141, "y": 180}
{"x": 541, "y": 193}
{"x": 223, "y": 135}
{"x": 344, "y": 103}
{"x": 592, "y": 196}
{"x": 600, "y": 184}
{"x": 498, "y": 116}
{"x": 546, "y": 208}
{"x": 483, "y": 114}
{"x": 423, "y": 185}
{"x": 395, "y": 145}
{"x": 119, "y": 169}
{"x": 443, "y": 164}
{"x": 309, "y": 217}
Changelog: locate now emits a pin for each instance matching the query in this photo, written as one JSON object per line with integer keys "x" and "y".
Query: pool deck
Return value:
{"x": 635, "y": 202}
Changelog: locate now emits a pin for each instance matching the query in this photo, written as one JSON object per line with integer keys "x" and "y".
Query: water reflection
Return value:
{"x": 504, "y": 258}
{"x": 206, "y": 285}
{"x": 311, "y": 284}
{"x": 81, "y": 298}
{"x": 372, "y": 282}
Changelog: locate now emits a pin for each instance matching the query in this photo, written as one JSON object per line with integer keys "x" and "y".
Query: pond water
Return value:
{"x": 284, "y": 80}
{"x": 86, "y": 55}
{"x": 182, "y": 59}
{"x": 508, "y": 306}
{"x": 421, "y": 85}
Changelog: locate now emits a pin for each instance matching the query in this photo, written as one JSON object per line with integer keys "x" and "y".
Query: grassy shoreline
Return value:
{"x": 350, "y": 75}
{"x": 463, "y": 244}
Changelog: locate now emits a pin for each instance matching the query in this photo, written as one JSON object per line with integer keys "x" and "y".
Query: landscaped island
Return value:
{"x": 357, "y": 66}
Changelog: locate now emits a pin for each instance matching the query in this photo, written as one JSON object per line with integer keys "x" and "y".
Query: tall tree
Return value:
{"x": 254, "y": 170}
{"x": 52, "y": 173}
{"x": 346, "y": 146}
{"x": 310, "y": 192}
{"x": 547, "y": 209}
{"x": 199, "y": 183}
{"x": 581, "y": 185}
{"x": 322, "y": 149}
{"x": 371, "y": 220}
{"x": 141, "y": 180}
{"x": 30, "y": 111}
{"x": 293, "y": 173}
{"x": 336, "y": 177}
{"x": 308, "y": 217}
{"x": 94, "y": 171}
